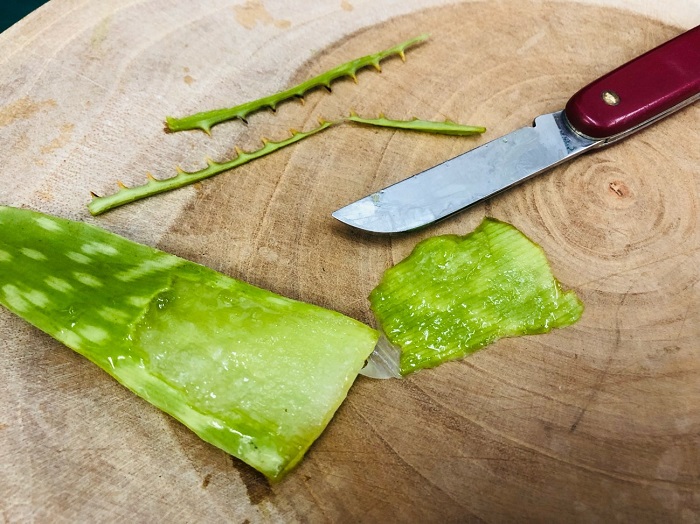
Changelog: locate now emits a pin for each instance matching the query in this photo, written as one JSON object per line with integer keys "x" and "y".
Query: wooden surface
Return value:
{"x": 599, "y": 422}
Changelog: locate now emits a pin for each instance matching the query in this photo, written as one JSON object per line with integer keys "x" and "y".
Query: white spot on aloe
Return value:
{"x": 113, "y": 314}
{"x": 14, "y": 298}
{"x": 78, "y": 257}
{"x": 94, "y": 248}
{"x": 5, "y": 256}
{"x": 32, "y": 253}
{"x": 148, "y": 266}
{"x": 70, "y": 338}
{"x": 58, "y": 284}
{"x": 93, "y": 334}
{"x": 138, "y": 301}
{"x": 87, "y": 279}
{"x": 48, "y": 224}
{"x": 37, "y": 298}
{"x": 279, "y": 301}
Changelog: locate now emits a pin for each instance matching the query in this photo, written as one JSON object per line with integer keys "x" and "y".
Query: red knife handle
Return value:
{"x": 639, "y": 92}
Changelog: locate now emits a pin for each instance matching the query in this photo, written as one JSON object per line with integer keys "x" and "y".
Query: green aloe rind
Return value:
{"x": 207, "y": 119}
{"x": 456, "y": 294}
{"x": 253, "y": 373}
{"x": 447, "y": 127}
{"x": 154, "y": 186}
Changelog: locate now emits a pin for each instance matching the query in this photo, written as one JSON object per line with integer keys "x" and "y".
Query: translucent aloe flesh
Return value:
{"x": 254, "y": 373}
{"x": 455, "y": 294}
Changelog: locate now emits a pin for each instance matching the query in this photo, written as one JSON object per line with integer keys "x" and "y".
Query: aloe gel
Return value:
{"x": 455, "y": 294}
{"x": 253, "y": 373}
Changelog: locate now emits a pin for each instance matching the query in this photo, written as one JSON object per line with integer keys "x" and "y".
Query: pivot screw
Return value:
{"x": 611, "y": 98}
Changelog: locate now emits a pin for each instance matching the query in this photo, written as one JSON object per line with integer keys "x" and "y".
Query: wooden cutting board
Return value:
{"x": 597, "y": 422}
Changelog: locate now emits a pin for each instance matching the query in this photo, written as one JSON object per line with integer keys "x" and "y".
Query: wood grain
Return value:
{"x": 597, "y": 422}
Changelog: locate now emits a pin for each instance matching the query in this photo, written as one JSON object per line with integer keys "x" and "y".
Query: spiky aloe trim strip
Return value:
{"x": 448, "y": 127}
{"x": 126, "y": 195}
{"x": 206, "y": 120}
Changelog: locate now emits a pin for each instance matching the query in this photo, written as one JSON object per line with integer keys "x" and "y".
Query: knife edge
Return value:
{"x": 467, "y": 179}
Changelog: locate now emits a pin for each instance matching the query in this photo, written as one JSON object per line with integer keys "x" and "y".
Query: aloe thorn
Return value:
{"x": 206, "y": 120}
{"x": 153, "y": 186}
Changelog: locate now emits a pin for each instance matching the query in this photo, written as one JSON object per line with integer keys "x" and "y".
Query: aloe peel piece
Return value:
{"x": 253, "y": 373}
{"x": 456, "y": 294}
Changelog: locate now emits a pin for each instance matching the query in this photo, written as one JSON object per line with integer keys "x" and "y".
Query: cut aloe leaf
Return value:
{"x": 455, "y": 294}
{"x": 249, "y": 371}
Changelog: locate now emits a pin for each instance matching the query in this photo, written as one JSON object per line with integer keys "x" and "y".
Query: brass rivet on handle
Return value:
{"x": 611, "y": 98}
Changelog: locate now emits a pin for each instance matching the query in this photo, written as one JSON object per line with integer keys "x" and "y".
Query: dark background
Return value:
{"x": 13, "y": 10}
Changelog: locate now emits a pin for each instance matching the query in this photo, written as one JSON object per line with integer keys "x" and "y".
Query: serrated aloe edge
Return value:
{"x": 153, "y": 186}
{"x": 456, "y": 294}
{"x": 251, "y": 372}
{"x": 447, "y": 127}
{"x": 207, "y": 119}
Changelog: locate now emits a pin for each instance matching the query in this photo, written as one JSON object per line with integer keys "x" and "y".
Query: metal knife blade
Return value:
{"x": 616, "y": 105}
{"x": 469, "y": 178}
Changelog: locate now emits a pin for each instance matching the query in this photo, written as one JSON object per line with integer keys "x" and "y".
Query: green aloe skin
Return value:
{"x": 455, "y": 294}
{"x": 253, "y": 373}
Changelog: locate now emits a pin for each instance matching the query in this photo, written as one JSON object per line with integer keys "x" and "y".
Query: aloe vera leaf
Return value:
{"x": 455, "y": 294}
{"x": 207, "y": 119}
{"x": 448, "y": 127}
{"x": 126, "y": 195}
{"x": 249, "y": 371}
